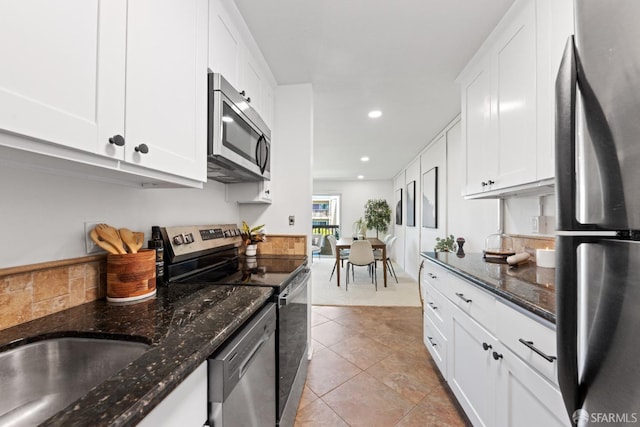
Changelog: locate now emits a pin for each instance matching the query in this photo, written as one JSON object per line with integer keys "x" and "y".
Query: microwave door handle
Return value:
{"x": 266, "y": 156}
{"x": 262, "y": 164}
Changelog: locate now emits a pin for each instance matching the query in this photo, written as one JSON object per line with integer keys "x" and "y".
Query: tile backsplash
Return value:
{"x": 283, "y": 244}
{"x": 33, "y": 291}
{"x": 30, "y": 292}
{"x": 529, "y": 244}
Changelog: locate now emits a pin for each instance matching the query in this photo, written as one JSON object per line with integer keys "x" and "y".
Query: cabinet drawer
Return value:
{"x": 477, "y": 303}
{"x": 435, "y": 307}
{"x": 436, "y": 344}
{"x": 532, "y": 341}
{"x": 435, "y": 275}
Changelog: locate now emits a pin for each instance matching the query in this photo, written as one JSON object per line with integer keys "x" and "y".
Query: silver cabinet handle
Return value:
{"x": 529, "y": 344}
{"x": 433, "y": 306}
{"x": 431, "y": 341}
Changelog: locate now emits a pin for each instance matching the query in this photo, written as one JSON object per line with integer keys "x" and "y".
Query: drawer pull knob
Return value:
{"x": 431, "y": 341}
{"x": 117, "y": 140}
{"x": 462, "y": 297}
{"x": 496, "y": 356}
{"x": 142, "y": 149}
{"x": 435, "y": 307}
{"x": 433, "y": 276}
{"x": 530, "y": 345}
{"x": 486, "y": 346}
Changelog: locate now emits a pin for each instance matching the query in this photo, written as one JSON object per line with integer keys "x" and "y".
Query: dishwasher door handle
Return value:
{"x": 256, "y": 349}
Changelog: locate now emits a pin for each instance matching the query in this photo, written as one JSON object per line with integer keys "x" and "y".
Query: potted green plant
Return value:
{"x": 251, "y": 236}
{"x": 445, "y": 244}
{"x": 377, "y": 215}
{"x": 360, "y": 228}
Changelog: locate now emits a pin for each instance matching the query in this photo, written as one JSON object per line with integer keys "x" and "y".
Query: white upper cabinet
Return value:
{"x": 476, "y": 114}
{"x": 166, "y": 97}
{"x": 510, "y": 144}
{"x": 225, "y": 45}
{"x": 514, "y": 95}
{"x": 234, "y": 53}
{"x": 62, "y": 77}
{"x": 116, "y": 84}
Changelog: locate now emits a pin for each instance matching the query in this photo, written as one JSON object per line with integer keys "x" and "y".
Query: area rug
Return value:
{"x": 361, "y": 290}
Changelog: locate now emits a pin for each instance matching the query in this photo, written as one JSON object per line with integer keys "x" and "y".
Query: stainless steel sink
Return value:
{"x": 39, "y": 379}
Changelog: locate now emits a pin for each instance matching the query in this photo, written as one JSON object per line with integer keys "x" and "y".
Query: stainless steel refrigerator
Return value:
{"x": 598, "y": 202}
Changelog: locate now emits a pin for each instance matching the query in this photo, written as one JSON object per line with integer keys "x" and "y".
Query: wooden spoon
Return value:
{"x": 110, "y": 235}
{"x": 104, "y": 245}
{"x": 130, "y": 240}
{"x": 139, "y": 235}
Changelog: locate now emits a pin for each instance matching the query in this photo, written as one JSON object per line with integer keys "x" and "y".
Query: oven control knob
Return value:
{"x": 188, "y": 238}
{"x": 178, "y": 240}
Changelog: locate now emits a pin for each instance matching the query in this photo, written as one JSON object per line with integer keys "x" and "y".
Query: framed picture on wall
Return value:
{"x": 411, "y": 204}
{"x": 430, "y": 198}
{"x": 399, "y": 206}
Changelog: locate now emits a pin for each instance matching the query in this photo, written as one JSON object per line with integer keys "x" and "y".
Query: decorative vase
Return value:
{"x": 460, "y": 252}
{"x": 251, "y": 250}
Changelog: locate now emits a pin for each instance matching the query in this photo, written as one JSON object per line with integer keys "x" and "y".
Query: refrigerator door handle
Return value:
{"x": 566, "y": 82}
{"x": 570, "y": 76}
{"x": 567, "y": 321}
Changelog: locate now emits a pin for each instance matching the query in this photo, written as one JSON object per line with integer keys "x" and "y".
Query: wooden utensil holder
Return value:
{"x": 131, "y": 276}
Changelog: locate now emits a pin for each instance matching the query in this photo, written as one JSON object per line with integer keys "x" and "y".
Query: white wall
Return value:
{"x": 354, "y": 196}
{"x": 43, "y": 214}
{"x": 434, "y": 156}
{"x": 292, "y": 157}
{"x": 412, "y": 234}
{"x": 518, "y": 213}
{"x": 399, "y": 230}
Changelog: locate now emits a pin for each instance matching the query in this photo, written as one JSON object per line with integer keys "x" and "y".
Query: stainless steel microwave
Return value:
{"x": 239, "y": 141}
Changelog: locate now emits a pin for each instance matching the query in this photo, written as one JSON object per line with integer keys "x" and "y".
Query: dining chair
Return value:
{"x": 344, "y": 254}
{"x": 378, "y": 257}
{"x": 317, "y": 240}
{"x": 361, "y": 255}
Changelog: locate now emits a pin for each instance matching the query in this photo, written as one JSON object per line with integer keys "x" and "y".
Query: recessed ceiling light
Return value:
{"x": 375, "y": 114}
{"x": 360, "y": 176}
{"x": 364, "y": 158}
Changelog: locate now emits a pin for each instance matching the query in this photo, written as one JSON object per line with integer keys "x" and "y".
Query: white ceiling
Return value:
{"x": 398, "y": 56}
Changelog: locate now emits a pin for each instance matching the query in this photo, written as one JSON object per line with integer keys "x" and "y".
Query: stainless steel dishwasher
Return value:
{"x": 242, "y": 375}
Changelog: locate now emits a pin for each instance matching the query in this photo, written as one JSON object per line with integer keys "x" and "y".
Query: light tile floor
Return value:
{"x": 370, "y": 368}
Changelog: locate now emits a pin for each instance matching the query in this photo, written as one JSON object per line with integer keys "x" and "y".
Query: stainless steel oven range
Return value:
{"x": 209, "y": 254}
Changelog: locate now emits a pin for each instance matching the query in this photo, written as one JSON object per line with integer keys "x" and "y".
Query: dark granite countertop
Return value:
{"x": 526, "y": 285}
{"x": 184, "y": 324}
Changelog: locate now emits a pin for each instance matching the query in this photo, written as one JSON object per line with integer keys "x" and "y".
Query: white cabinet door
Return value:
{"x": 476, "y": 116}
{"x": 225, "y": 44}
{"x": 166, "y": 95}
{"x": 525, "y": 399}
{"x": 63, "y": 70}
{"x": 252, "y": 81}
{"x": 184, "y": 406}
{"x": 249, "y": 192}
{"x": 515, "y": 99}
{"x": 472, "y": 369}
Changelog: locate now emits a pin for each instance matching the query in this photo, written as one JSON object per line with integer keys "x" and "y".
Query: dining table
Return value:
{"x": 345, "y": 243}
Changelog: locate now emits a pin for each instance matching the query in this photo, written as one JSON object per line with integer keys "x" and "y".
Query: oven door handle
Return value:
{"x": 288, "y": 295}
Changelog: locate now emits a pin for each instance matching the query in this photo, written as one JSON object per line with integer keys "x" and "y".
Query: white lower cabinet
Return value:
{"x": 472, "y": 369}
{"x": 498, "y": 380}
{"x": 184, "y": 406}
{"x": 524, "y": 398}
